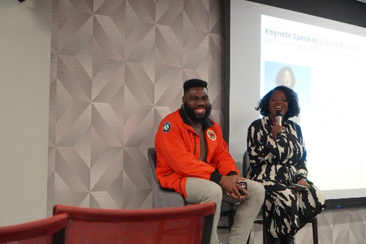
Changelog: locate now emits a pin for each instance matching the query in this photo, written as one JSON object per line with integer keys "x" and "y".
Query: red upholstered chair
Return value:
{"x": 188, "y": 224}
{"x": 35, "y": 232}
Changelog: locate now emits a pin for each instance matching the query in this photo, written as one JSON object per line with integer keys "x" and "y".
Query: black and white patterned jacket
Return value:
{"x": 280, "y": 159}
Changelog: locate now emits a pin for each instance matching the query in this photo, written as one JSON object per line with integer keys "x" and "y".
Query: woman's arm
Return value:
{"x": 302, "y": 171}
{"x": 260, "y": 143}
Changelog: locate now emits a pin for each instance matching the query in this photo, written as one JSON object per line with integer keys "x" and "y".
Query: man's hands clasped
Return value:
{"x": 232, "y": 188}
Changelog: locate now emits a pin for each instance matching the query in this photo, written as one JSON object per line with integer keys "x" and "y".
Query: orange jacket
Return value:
{"x": 178, "y": 151}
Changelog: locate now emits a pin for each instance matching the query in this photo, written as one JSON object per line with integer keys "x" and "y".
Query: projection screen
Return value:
{"x": 328, "y": 59}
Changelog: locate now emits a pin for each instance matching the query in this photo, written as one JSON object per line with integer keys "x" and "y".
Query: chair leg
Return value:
{"x": 230, "y": 217}
{"x": 315, "y": 230}
{"x": 265, "y": 234}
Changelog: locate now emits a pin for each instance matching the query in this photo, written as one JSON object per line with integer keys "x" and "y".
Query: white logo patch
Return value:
{"x": 166, "y": 127}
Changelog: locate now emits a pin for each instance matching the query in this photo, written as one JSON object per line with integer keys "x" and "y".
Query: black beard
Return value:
{"x": 193, "y": 117}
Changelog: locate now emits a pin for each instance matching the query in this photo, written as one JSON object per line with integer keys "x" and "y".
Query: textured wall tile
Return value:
{"x": 117, "y": 69}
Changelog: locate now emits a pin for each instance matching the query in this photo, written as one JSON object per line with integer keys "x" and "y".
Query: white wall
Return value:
{"x": 25, "y": 39}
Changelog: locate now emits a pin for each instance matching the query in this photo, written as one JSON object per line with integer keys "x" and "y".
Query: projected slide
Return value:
{"x": 326, "y": 69}
{"x": 325, "y": 64}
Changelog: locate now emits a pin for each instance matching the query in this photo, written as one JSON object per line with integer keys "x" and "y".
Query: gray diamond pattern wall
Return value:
{"x": 117, "y": 69}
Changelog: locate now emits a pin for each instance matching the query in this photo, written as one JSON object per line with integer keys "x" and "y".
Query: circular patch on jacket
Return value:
{"x": 211, "y": 135}
{"x": 167, "y": 126}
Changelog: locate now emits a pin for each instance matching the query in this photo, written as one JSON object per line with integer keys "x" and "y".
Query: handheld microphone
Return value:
{"x": 279, "y": 117}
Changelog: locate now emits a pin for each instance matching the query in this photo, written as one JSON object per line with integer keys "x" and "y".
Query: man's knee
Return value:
{"x": 214, "y": 193}
{"x": 200, "y": 190}
{"x": 256, "y": 190}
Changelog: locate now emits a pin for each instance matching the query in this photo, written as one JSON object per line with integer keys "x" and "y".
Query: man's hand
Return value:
{"x": 232, "y": 188}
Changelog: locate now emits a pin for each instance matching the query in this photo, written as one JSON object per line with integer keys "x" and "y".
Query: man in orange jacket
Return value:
{"x": 193, "y": 159}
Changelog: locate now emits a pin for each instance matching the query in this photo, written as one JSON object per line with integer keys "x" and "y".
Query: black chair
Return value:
{"x": 262, "y": 221}
{"x": 166, "y": 198}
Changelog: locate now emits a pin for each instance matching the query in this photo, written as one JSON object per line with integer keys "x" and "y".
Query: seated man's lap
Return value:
{"x": 201, "y": 190}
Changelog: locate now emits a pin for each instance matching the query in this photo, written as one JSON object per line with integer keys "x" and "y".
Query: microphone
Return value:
{"x": 279, "y": 117}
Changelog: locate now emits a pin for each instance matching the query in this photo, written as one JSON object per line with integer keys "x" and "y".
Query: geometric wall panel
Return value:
{"x": 117, "y": 68}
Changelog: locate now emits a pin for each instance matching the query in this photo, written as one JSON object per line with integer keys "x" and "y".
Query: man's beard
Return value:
{"x": 193, "y": 117}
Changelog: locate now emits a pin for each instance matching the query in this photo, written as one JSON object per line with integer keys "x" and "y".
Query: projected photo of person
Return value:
{"x": 296, "y": 77}
{"x": 286, "y": 77}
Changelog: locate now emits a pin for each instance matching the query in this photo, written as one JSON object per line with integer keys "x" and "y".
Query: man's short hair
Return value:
{"x": 194, "y": 83}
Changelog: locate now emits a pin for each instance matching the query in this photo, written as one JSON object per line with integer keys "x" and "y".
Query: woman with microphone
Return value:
{"x": 278, "y": 160}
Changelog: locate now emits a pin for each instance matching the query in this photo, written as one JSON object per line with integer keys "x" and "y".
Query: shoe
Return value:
{"x": 288, "y": 240}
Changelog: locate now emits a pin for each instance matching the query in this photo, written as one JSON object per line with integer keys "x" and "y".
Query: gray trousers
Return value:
{"x": 200, "y": 190}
